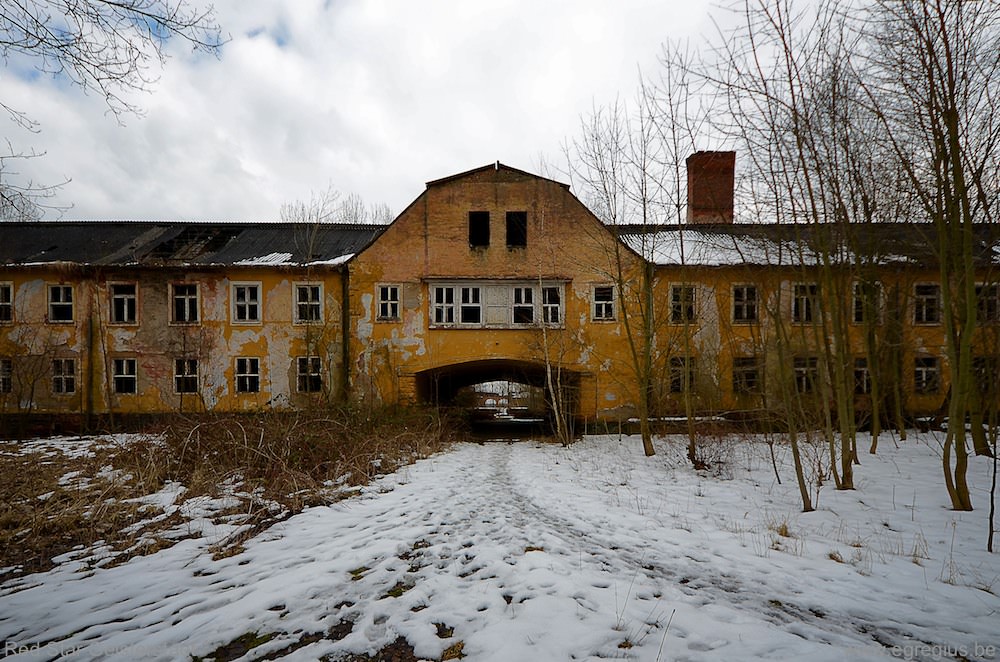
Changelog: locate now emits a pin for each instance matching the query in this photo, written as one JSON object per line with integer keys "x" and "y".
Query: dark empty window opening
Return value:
{"x": 479, "y": 229}
{"x": 517, "y": 229}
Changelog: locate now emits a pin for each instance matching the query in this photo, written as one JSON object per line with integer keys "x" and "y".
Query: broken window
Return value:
{"x": 479, "y": 229}
{"x": 124, "y": 308}
{"x": 247, "y": 375}
{"x": 63, "y": 376}
{"x": 604, "y": 302}
{"x": 388, "y": 302}
{"x": 309, "y": 374}
{"x": 308, "y": 303}
{"x": 186, "y": 375}
{"x": 124, "y": 375}
{"x": 60, "y": 303}
{"x": 184, "y": 298}
{"x": 517, "y": 229}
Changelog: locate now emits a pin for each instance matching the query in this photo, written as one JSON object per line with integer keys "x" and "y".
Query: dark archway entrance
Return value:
{"x": 500, "y": 392}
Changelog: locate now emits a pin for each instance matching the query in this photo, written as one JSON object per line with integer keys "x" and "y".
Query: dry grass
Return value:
{"x": 275, "y": 464}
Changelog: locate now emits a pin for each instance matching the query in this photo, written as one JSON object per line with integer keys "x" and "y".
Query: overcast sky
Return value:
{"x": 372, "y": 97}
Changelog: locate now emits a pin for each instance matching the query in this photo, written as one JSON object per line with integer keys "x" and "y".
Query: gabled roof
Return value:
{"x": 789, "y": 244}
{"x": 502, "y": 172}
{"x": 155, "y": 243}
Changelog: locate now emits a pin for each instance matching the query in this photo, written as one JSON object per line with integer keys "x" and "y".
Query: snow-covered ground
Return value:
{"x": 532, "y": 551}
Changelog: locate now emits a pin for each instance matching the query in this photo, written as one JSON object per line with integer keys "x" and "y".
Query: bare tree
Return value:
{"x": 111, "y": 47}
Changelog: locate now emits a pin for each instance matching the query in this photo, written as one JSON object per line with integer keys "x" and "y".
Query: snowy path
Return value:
{"x": 537, "y": 552}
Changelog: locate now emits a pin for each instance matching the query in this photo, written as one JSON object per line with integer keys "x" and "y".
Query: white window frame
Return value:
{"x": 246, "y": 374}
{"x": 63, "y": 380}
{"x": 308, "y": 368}
{"x": 183, "y": 372}
{"x": 522, "y": 303}
{"x": 246, "y": 303}
{"x": 603, "y": 310}
{"x": 805, "y": 303}
{"x": 862, "y": 376}
{"x": 927, "y": 307}
{"x": 443, "y": 305}
{"x": 387, "y": 299}
{"x": 552, "y": 311}
{"x": 471, "y": 299}
{"x": 126, "y": 369}
{"x": 745, "y": 305}
{"x": 806, "y": 372}
{"x": 60, "y": 301}
{"x": 174, "y": 298}
{"x": 114, "y": 298}
{"x": 6, "y": 302}
{"x": 308, "y": 304}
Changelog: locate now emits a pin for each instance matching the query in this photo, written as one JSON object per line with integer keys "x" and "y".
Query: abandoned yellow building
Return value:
{"x": 489, "y": 275}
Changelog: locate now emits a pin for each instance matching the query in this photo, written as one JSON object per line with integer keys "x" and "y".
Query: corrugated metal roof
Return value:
{"x": 799, "y": 244}
{"x": 106, "y": 243}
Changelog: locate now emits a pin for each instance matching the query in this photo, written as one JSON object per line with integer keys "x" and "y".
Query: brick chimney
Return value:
{"x": 710, "y": 187}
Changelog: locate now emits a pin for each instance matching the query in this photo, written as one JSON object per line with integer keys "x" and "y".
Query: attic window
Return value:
{"x": 479, "y": 229}
{"x": 517, "y": 229}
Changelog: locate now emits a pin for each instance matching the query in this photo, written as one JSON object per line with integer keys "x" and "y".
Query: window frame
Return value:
{"x": 745, "y": 304}
{"x": 50, "y": 317}
{"x": 120, "y": 375}
{"x": 805, "y": 370}
{"x": 683, "y": 303}
{"x": 743, "y": 366}
{"x": 926, "y": 375}
{"x": 548, "y": 306}
{"x": 114, "y": 297}
{"x": 805, "y": 307}
{"x": 240, "y": 310}
{"x": 681, "y": 374}
{"x": 6, "y": 306}
{"x": 859, "y": 299}
{"x": 243, "y": 377}
{"x": 387, "y": 300}
{"x": 470, "y": 305}
{"x": 604, "y": 310}
{"x": 862, "y": 376}
{"x": 443, "y": 305}
{"x": 183, "y": 375}
{"x": 990, "y": 312}
{"x": 6, "y": 375}
{"x": 189, "y": 308}
{"x": 63, "y": 381}
{"x": 309, "y": 305}
{"x": 922, "y": 312}
{"x": 311, "y": 377}
{"x": 522, "y": 305}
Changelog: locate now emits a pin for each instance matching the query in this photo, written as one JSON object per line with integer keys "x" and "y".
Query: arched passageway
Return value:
{"x": 501, "y": 389}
